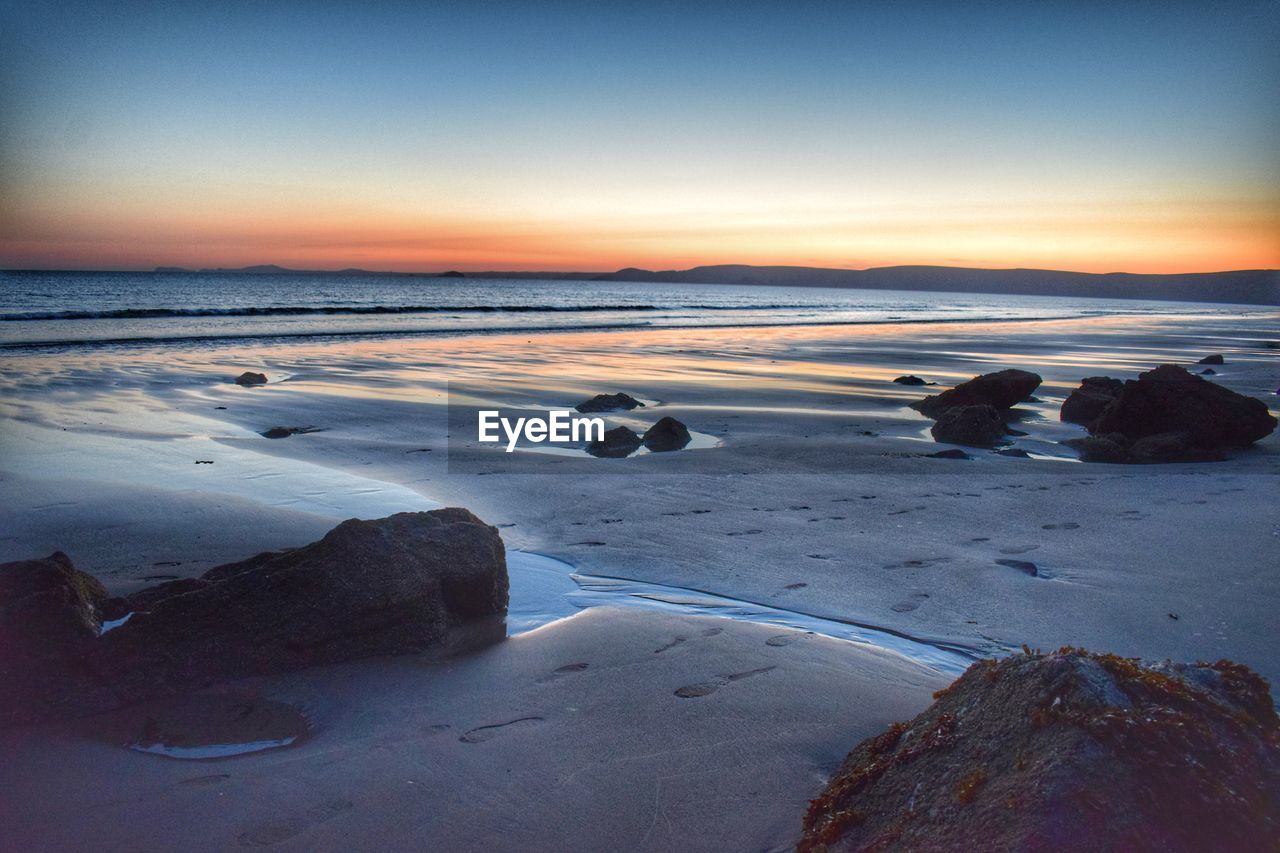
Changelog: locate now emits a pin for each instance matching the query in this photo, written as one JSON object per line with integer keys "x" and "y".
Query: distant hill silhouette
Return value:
{"x": 1248, "y": 287}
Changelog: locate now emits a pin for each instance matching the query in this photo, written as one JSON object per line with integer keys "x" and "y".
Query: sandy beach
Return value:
{"x": 806, "y": 577}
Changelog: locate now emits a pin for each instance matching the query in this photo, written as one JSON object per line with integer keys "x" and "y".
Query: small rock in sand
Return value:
{"x": 248, "y": 379}
{"x": 972, "y": 426}
{"x": 1069, "y": 751}
{"x": 618, "y": 442}
{"x": 609, "y": 403}
{"x": 667, "y": 434}
{"x": 285, "y": 432}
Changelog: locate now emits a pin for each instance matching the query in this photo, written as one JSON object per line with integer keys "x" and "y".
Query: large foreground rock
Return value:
{"x": 1000, "y": 390}
{"x": 50, "y": 614}
{"x": 412, "y": 582}
{"x": 1171, "y": 400}
{"x": 1069, "y": 751}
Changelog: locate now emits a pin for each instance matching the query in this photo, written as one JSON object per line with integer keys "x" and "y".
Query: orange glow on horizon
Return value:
{"x": 1178, "y": 244}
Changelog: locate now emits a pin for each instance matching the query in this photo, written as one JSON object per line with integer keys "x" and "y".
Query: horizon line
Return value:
{"x": 175, "y": 269}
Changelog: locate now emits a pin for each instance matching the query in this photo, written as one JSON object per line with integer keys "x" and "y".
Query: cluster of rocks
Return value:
{"x": 1067, "y": 751}
{"x": 666, "y": 435}
{"x": 974, "y": 413}
{"x": 408, "y": 583}
{"x": 1165, "y": 415}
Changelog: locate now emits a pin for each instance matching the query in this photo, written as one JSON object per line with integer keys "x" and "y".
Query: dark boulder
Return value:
{"x": 617, "y": 442}
{"x": 666, "y": 434}
{"x": 412, "y": 582}
{"x": 248, "y": 379}
{"x": 1216, "y": 358}
{"x": 50, "y": 614}
{"x": 1067, "y": 751}
{"x": 1085, "y": 403}
{"x": 1171, "y": 400}
{"x": 910, "y": 380}
{"x": 1000, "y": 390}
{"x": 972, "y": 426}
{"x": 609, "y": 403}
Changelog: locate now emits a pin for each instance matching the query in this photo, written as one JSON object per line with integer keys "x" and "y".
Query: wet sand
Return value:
{"x": 817, "y": 502}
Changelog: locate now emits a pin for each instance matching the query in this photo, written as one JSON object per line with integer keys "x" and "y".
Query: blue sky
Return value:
{"x": 1083, "y": 135}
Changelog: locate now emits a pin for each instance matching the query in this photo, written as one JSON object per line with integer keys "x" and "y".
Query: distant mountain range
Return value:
{"x": 1250, "y": 287}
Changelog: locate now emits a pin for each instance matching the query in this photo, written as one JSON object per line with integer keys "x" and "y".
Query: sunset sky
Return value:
{"x": 576, "y": 136}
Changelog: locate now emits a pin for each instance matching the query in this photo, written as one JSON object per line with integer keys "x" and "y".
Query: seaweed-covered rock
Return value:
{"x": 617, "y": 442}
{"x": 1085, "y": 403}
{"x": 1171, "y": 400}
{"x": 1001, "y": 390}
{"x": 248, "y": 379}
{"x": 1069, "y": 751}
{"x": 972, "y": 426}
{"x": 667, "y": 434}
{"x": 609, "y": 403}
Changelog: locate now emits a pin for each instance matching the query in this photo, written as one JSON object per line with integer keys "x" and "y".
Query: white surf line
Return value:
{"x": 212, "y": 750}
{"x": 544, "y": 590}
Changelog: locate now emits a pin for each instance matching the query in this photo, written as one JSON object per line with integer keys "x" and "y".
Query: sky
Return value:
{"x": 592, "y": 136}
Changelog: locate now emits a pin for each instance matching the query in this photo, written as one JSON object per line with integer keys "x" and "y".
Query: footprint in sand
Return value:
{"x": 203, "y": 781}
{"x": 1018, "y": 549}
{"x": 744, "y": 532}
{"x": 787, "y": 639}
{"x": 706, "y": 688}
{"x": 802, "y": 585}
{"x": 911, "y": 603}
{"x": 562, "y": 671}
{"x": 1066, "y": 525}
{"x": 671, "y": 645}
{"x": 1027, "y": 568}
{"x": 484, "y": 733}
{"x": 282, "y": 830}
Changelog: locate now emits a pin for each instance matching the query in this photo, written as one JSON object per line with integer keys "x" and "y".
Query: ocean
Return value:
{"x": 87, "y": 309}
